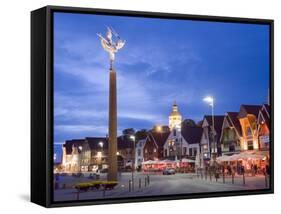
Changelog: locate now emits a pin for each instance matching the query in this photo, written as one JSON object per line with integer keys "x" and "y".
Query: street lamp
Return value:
{"x": 179, "y": 141}
{"x": 159, "y": 128}
{"x": 210, "y": 101}
{"x": 101, "y": 145}
{"x": 133, "y": 138}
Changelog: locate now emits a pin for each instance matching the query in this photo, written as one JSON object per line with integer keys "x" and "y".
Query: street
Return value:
{"x": 158, "y": 185}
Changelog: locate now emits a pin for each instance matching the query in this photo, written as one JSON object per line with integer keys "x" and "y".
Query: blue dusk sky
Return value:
{"x": 162, "y": 61}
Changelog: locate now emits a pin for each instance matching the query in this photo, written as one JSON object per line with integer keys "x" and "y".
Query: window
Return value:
{"x": 165, "y": 153}
{"x": 145, "y": 150}
{"x": 190, "y": 151}
{"x": 248, "y": 131}
{"x": 250, "y": 145}
{"x": 195, "y": 151}
{"x": 231, "y": 147}
{"x": 184, "y": 150}
{"x": 139, "y": 152}
{"x": 154, "y": 150}
{"x": 174, "y": 131}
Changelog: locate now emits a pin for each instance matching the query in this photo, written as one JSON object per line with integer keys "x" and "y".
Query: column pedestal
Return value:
{"x": 112, "y": 128}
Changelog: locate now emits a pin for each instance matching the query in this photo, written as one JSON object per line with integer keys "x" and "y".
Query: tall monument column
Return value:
{"x": 112, "y": 128}
{"x": 112, "y": 47}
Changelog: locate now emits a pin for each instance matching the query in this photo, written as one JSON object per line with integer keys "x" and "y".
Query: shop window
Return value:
{"x": 250, "y": 145}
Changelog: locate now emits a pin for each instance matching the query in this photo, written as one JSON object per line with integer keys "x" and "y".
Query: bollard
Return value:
{"x": 244, "y": 179}
{"x": 232, "y": 178}
{"x": 129, "y": 185}
{"x": 139, "y": 183}
{"x": 205, "y": 174}
{"x": 210, "y": 175}
{"x": 201, "y": 174}
{"x": 103, "y": 192}
{"x": 148, "y": 180}
{"x": 265, "y": 179}
{"x": 145, "y": 182}
{"x": 78, "y": 193}
{"x": 223, "y": 177}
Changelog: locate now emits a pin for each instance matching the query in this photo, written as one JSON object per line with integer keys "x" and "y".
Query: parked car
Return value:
{"x": 104, "y": 170}
{"x": 169, "y": 171}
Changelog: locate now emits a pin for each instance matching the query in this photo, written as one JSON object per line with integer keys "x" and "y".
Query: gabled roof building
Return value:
{"x": 248, "y": 116}
{"x": 231, "y": 134}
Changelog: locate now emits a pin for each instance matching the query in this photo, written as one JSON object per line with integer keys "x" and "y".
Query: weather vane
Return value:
{"x": 111, "y": 44}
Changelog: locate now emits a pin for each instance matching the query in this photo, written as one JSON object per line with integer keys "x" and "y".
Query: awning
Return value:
{"x": 167, "y": 162}
{"x": 185, "y": 160}
{"x": 253, "y": 155}
{"x": 149, "y": 162}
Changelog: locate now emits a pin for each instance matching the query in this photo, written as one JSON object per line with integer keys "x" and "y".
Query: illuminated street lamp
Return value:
{"x": 100, "y": 153}
{"x": 210, "y": 100}
{"x": 159, "y": 128}
{"x": 101, "y": 144}
{"x": 133, "y": 138}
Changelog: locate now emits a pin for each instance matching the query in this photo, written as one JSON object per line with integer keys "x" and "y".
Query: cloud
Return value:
{"x": 58, "y": 143}
{"x": 80, "y": 128}
{"x": 145, "y": 85}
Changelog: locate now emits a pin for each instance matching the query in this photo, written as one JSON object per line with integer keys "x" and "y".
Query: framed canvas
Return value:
{"x": 131, "y": 106}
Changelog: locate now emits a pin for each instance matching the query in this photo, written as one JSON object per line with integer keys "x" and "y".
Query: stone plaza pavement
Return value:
{"x": 159, "y": 185}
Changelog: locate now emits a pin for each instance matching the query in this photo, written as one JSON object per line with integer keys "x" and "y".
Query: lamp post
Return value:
{"x": 101, "y": 145}
{"x": 210, "y": 101}
{"x": 133, "y": 159}
{"x": 179, "y": 143}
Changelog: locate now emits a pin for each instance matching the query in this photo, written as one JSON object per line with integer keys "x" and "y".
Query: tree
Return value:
{"x": 189, "y": 122}
{"x": 200, "y": 123}
{"x": 160, "y": 128}
{"x": 129, "y": 131}
{"x": 141, "y": 134}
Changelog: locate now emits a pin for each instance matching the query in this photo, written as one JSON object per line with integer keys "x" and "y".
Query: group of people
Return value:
{"x": 240, "y": 169}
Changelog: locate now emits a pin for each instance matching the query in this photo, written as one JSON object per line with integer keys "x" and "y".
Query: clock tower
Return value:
{"x": 175, "y": 118}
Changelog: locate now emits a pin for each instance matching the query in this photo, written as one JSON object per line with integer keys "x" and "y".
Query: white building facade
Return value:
{"x": 139, "y": 152}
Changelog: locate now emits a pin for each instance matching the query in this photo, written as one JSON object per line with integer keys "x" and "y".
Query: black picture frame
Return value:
{"x": 42, "y": 104}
